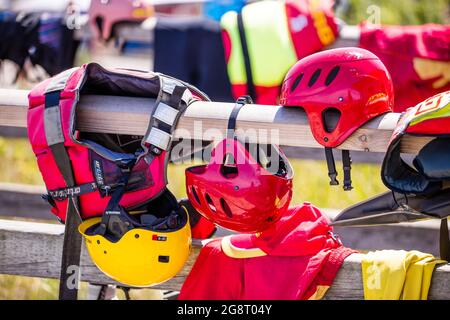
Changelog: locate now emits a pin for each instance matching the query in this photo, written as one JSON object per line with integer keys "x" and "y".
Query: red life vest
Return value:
{"x": 297, "y": 258}
{"x": 88, "y": 167}
{"x": 417, "y": 57}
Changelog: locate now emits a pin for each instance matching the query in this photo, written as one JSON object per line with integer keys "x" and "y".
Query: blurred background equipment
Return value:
{"x": 106, "y": 15}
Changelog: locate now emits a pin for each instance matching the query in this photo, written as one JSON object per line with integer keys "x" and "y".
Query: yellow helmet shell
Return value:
{"x": 141, "y": 258}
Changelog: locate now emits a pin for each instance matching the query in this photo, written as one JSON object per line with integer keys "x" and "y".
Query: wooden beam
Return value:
{"x": 19, "y": 201}
{"x": 208, "y": 121}
{"x": 34, "y": 250}
{"x": 24, "y": 201}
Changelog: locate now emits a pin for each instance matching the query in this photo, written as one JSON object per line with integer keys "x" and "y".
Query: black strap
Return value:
{"x": 70, "y": 192}
{"x": 347, "y": 167}
{"x": 174, "y": 100}
{"x": 114, "y": 220}
{"x": 332, "y": 173}
{"x": 240, "y": 102}
{"x": 70, "y": 260}
{"x": 444, "y": 241}
{"x": 248, "y": 67}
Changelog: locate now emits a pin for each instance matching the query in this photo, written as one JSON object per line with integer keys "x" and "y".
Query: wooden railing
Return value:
{"x": 34, "y": 249}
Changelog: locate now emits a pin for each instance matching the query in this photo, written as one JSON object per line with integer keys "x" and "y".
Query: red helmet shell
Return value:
{"x": 249, "y": 199}
{"x": 350, "y": 83}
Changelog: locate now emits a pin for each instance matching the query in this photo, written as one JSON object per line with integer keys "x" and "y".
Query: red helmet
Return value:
{"x": 340, "y": 90}
{"x": 351, "y": 84}
{"x": 239, "y": 189}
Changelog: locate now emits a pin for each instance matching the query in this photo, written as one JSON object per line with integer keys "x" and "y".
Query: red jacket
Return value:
{"x": 296, "y": 259}
{"x": 418, "y": 58}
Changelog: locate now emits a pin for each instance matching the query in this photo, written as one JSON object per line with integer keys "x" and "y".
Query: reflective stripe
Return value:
{"x": 58, "y": 83}
{"x": 52, "y": 114}
{"x": 169, "y": 85}
{"x": 52, "y": 126}
{"x": 159, "y": 138}
{"x": 270, "y": 46}
{"x": 187, "y": 96}
{"x": 166, "y": 113}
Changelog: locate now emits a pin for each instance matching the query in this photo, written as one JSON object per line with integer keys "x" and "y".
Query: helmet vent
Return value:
{"x": 314, "y": 77}
{"x": 210, "y": 203}
{"x": 194, "y": 193}
{"x": 229, "y": 168}
{"x": 332, "y": 75}
{"x": 226, "y": 208}
{"x": 330, "y": 119}
{"x": 296, "y": 82}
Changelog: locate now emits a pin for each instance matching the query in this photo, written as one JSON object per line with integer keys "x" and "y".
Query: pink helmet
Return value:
{"x": 105, "y": 14}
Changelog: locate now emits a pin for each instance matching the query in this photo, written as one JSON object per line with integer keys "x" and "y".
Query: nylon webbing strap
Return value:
{"x": 347, "y": 167}
{"x": 240, "y": 102}
{"x": 70, "y": 192}
{"x": 245, "y": 53}
{"x": 165, "y": 117}
{"x": 444, "y": 241}
{"x": 111, "y": 218}
{"x": 332, "y": 173}
{"x": 70, "y": 260}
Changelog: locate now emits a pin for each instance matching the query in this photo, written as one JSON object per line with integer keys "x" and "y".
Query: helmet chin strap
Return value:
{"x": 347, "y": 167}
{"x": 113, "y": 219}
{"x": 240, "y": 102}
{"x": 332, "y": 173}
{"x": 444, "y": 240}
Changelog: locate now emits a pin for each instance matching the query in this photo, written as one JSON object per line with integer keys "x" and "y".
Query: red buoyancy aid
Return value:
{"x": 87, "y": 167}
{"x": 417, "y": 57}
{"x": 297, "y": 258}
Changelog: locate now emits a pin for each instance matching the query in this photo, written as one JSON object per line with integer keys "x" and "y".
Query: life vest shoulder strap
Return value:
{"x": 171, "y": 104}
{"x": 55, "y": 139}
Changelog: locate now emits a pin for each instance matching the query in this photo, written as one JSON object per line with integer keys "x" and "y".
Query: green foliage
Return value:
{"x": 400, "y": 12}
{"x": 17, "y": 162}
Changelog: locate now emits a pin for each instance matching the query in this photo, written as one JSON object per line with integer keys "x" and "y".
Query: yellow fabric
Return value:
{"x": 325, "y": 33}
{"x": 320, "y": 293}
{"x": 239, "y": 253}
{"x": 439, "y": 107}
{"x": 397, "y": 274}
{"x": 430, "y": 69}
{"x": 270, "y": 46}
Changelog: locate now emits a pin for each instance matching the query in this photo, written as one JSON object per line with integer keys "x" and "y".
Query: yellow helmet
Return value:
{"x": 141, "y": 248}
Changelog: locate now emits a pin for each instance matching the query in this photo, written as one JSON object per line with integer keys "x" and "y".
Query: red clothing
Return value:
{"x": 296, "y": 259}
{"x": 418, "y": 58}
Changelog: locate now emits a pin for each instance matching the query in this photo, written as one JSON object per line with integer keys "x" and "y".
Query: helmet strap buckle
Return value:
{"x": 347, "y": 167}
{"x": 332, "y": 173}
